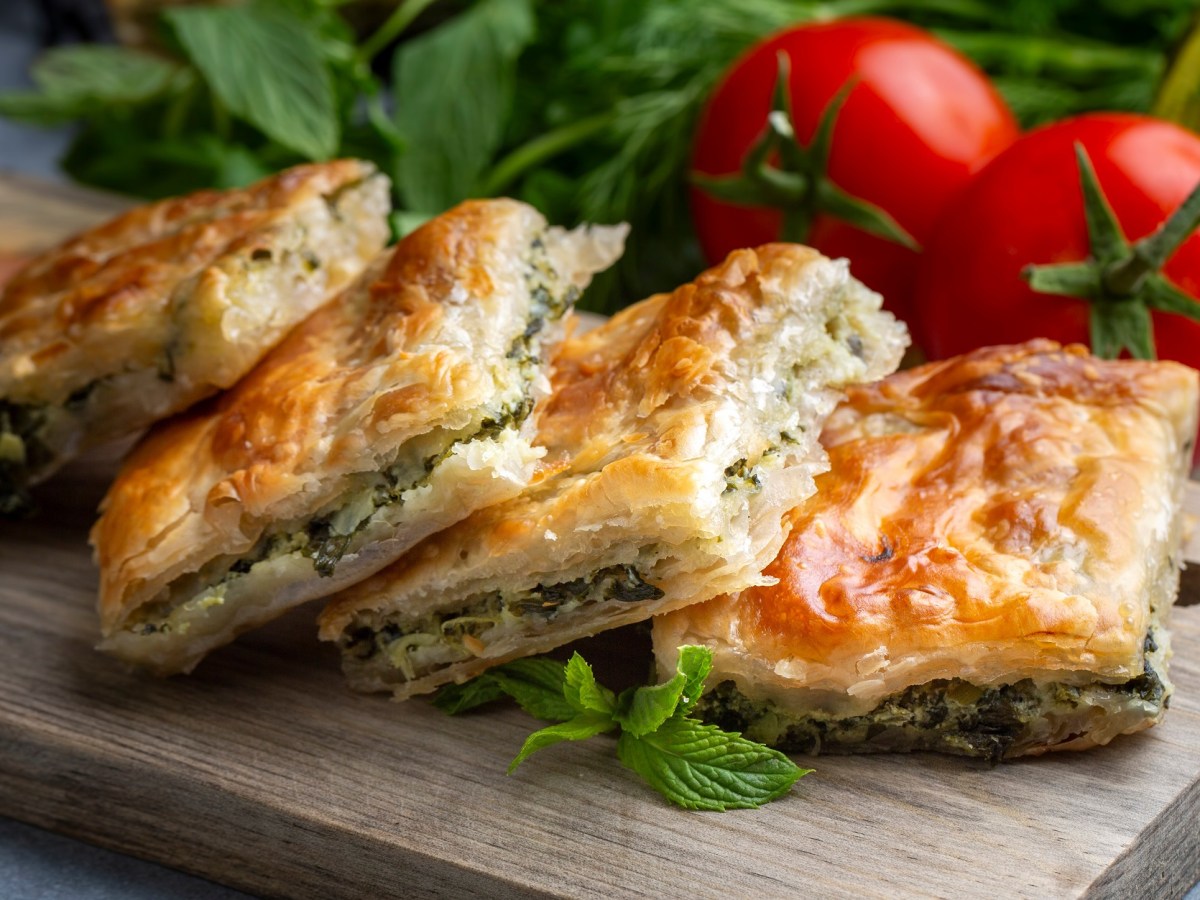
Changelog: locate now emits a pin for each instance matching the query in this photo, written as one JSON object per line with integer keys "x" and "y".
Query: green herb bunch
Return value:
{"x": 585, "y": 108}
{"x": 693, "y": 765}
{"x": 235, "y": 93}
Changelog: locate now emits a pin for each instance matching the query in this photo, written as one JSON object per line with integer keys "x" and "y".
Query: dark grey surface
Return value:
{"x": 35, "y": 864}
{"x": 38, "y": 865}
{"x": 23, "y": 148}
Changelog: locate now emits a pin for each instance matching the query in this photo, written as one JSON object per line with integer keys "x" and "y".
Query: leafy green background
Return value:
{"x": 584, "y": 108}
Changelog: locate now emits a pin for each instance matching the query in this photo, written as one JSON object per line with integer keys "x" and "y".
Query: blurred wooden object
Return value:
{"x": 36, "y": 214}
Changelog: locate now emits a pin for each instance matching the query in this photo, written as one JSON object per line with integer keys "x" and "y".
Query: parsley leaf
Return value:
{"x": 700, "y": 766}
{"x": 267, "y": 68}
{"x": 693, "y": 765}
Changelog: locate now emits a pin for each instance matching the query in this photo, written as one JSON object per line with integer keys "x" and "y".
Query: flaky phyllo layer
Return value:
{"x": 1000, "y": 721}
{"x": 167, "y": 304}
{"x": 471, "y": 449}
{"x": 986, "y": 569}
{"x": 676, "y": 435}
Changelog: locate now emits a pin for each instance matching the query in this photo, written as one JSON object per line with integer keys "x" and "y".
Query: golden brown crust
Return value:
{"x": 103, "y": 300}
{"x": 649, "y": 416}
{"x": 990, "y": 517}
{"x": 167, "y": 304}
{"x": 417, "y": 350}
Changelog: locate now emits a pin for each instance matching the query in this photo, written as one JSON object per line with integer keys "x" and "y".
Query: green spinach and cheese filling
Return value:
{"x": 412, "y": 649}
{"x": 955, "y": 716}
{"x": 21, "y": 453}
{"x": 151, "y": 312}
{"x": 419, "y": 647}
{"x": 376, "y": 502}
{"x": 33, "y": 437}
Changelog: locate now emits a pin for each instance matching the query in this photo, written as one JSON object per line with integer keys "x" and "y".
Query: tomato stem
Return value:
{"x": 789, "y": 185}
{"x": 778, "y": 171}
{"x": 796, "y": 223}
{"x": 1123, "y": 279}
{"x": 1122, "y": 282}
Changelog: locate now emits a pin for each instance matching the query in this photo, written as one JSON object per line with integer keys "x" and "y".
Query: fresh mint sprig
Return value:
{"x": 694, "y": 765}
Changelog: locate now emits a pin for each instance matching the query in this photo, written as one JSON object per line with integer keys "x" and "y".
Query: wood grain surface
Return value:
{"x": 262, "y": 771}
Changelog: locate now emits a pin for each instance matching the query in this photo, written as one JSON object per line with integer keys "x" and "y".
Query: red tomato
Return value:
{"x": 919, "y": 121}
{"x": 1026, "y": 208}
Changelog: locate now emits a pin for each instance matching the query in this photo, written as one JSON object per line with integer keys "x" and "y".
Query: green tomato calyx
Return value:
{"x": 780, "y": 172}
{"x": 1123, "y": 282}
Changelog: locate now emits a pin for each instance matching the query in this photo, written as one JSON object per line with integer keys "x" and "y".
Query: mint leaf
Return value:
{"x": 453, "y": 699}
{"x": 699, "y": 766}
{"x": 582, "y": 727}
{"x": 693, "y": 765}
{"x": 104, "y": 73}
{"x": 642, "y": 711}
{"x": 536, "y": 684}
{"x": 454, "y": 92}
{"x": 694, "y": 664}
{"x": 582, "y": 691}
{"x": 37, "y": 108}
{"x": 267, "y": 68}
{"x": 73, "y": 80}
{"x": 104, "y": 155}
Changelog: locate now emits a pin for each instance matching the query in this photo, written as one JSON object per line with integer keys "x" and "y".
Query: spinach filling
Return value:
{"x": 33, "y": 437}
{"x": 325, "y": 539}
{"x": 22, "y": 453}
{"x": 326, "y": 543}
{"x": 442, "y": 638}
{"x": 743, "y": 477}
{"x": 947, "y": 716}
{"x": 545, "y": 305}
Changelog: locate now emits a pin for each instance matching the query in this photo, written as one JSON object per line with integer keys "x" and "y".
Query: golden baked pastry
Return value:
{"x": 985, "y": 570}
{"x": 389, "y": 414}
{"x": 677, "y": 435}
{"x": 167, "y": 304}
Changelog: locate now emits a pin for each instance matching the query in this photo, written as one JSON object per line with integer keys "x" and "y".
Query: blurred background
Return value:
{"x": 585, "y": 109}
{"x": 24, "y": 31}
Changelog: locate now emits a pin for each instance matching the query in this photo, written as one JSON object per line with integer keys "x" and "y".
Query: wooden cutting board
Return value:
{"x": 263, "y": 772}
